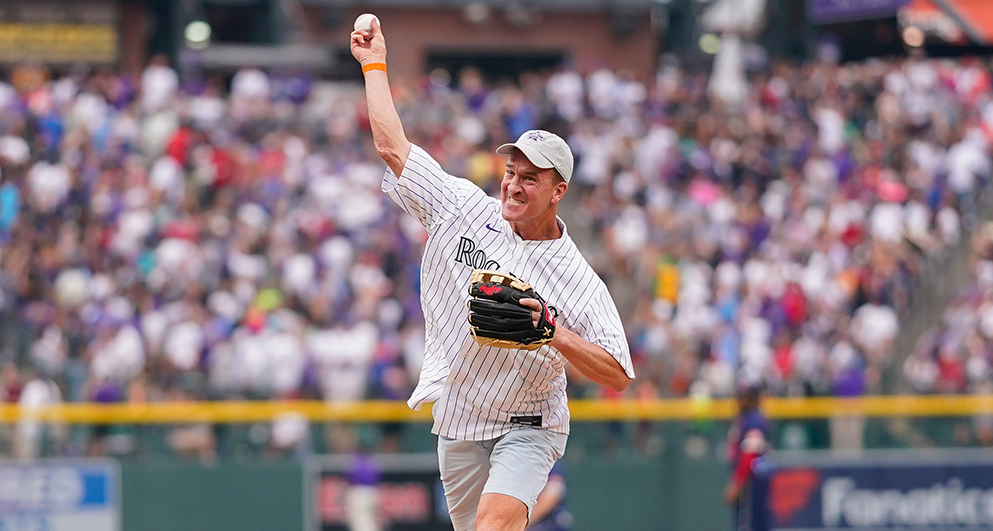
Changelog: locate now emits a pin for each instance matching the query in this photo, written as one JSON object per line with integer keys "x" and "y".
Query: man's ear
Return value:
{"x": 560, "y": 189}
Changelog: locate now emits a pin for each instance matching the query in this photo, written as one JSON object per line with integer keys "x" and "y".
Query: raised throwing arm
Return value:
{"x": 369, "y": 49}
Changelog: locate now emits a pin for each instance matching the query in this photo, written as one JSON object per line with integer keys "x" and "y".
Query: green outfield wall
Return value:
{"x": 605, "y": 494}
{"x": 165, "y": 495}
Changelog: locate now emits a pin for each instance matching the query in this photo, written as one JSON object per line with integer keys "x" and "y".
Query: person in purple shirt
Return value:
{"x": 362, "y": 498}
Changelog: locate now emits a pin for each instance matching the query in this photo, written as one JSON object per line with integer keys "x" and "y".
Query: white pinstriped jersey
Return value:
{"x": 481, "y": 393}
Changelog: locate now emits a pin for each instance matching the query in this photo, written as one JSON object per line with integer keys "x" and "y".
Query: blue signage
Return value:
{"x": 831, "y": 11}
{"x": 60, "y": 495}
{"x": 917, "y": 491}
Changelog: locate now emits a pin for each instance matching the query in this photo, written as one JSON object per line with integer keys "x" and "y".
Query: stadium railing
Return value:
{"x": 678, "y": 409}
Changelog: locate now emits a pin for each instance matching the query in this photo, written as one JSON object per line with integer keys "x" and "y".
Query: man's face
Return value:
{"x": 529, "y": 193}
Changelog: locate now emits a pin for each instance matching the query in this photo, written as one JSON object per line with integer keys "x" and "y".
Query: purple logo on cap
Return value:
{"x": 536, "y": 136}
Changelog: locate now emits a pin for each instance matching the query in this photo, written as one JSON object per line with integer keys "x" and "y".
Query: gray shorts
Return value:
{"x": 515, "y": 464}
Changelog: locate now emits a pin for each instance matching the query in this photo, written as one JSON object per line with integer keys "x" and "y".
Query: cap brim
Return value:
{"x": 532, "y": 154}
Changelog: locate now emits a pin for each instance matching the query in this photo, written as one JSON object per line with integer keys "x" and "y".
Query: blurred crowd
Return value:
{"x": 165, "y": 238}
{"x": 781, "y": 238}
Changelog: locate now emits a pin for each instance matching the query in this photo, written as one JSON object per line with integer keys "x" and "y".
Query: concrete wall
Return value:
{"x": 588, "y": 38}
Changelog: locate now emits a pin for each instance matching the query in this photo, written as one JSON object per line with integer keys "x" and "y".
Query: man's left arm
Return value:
{"x": 611, "y": 368}
{"x": 592, "y": 360}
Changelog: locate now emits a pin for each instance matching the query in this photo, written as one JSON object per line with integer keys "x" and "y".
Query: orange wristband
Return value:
{"x": 373, "y": 66}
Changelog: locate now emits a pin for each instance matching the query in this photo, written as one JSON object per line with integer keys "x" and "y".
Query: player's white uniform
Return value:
{"x": 483, "y": 392}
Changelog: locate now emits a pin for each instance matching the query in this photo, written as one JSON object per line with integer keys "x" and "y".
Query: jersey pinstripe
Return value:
{"x": 479, "y": 390}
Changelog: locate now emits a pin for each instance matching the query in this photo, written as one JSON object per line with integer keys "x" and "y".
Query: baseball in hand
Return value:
{"x": 364, "y": 22}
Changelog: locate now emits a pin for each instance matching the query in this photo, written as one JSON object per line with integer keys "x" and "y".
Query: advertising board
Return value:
{"x": 60, "y": 495}
{"x": 410, "y": 495}
{"x": 909, "y": 490}
{"x": 831, "y": 11}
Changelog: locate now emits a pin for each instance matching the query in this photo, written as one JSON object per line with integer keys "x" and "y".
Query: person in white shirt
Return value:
{"x": 500, "y": 414}
{"x": 159, "y": 83}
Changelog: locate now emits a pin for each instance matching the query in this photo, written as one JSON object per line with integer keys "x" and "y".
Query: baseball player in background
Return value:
{"x": 500, "y": 414}
{"x": 747, "y": 489}
{"x": 550, "y": 512}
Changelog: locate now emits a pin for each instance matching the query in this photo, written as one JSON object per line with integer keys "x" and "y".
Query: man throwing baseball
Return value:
{"x": 500, "y": 409}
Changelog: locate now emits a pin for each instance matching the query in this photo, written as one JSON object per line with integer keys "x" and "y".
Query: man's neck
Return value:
{"x": 549, "y": 230}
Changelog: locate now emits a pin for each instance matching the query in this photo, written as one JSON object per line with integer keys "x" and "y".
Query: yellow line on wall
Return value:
{"x": 581, "y": 410}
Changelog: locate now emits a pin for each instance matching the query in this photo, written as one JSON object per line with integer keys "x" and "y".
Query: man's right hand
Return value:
{"x": 369, "y": 46}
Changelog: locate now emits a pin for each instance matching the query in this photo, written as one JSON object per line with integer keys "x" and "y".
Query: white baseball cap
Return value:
{"x": 544, "y": 150}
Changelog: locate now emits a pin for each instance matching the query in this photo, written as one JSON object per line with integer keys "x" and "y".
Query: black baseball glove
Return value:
{"x": 498, "y": 319}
